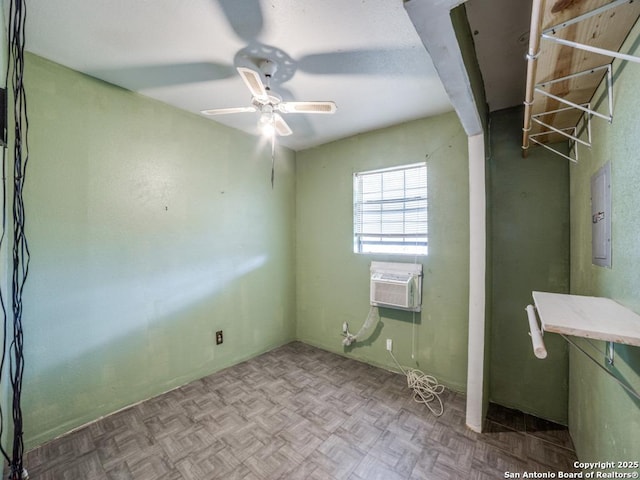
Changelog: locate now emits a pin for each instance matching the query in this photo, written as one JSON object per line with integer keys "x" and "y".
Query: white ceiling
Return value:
{"x": 363, "y": 54}
{"x": 501, "y": 35}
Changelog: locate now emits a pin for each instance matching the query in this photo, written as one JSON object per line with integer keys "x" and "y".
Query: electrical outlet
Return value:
{"x": 389, "y": 344}
{"x": 219, "y": 338}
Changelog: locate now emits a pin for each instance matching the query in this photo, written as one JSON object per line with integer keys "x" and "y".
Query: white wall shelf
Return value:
{"x": 597, "y": 318}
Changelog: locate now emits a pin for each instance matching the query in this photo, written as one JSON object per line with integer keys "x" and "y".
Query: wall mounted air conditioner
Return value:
{"x": 396, "y": 285}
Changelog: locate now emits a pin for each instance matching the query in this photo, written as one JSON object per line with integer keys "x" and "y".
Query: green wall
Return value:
{"x": 530, "y": 245}
{"x": 604, "y": 421}
{"x": 333, "y": 281}
{"x": 149, "y": 228}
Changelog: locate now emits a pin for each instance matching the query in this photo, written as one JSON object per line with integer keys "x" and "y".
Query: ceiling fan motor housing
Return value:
{"x": 272, "y": 99}
{"x": 268, "y": 67}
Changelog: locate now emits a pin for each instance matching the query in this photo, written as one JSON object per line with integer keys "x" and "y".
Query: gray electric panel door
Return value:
{"x": 601, "y": 216}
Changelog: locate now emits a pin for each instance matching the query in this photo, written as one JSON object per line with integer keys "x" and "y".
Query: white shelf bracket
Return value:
{"x": 588, "y": 112}
{"x": 562, "y": 132}
{"x": 549, "y": 33}
{"x": 584, "y": 16}
{"x": 629, "y": 390}
{"x": 573, "y": 146}
{"x": 589, "y": 48}
{"x": 584, "y": 107}
{"x": 591, "y": 318}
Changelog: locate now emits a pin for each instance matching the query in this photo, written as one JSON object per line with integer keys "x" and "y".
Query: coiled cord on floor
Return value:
{"x": 426, "y": 388}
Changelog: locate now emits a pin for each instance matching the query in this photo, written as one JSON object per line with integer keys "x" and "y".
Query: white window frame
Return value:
{"x": 391, "y": 217}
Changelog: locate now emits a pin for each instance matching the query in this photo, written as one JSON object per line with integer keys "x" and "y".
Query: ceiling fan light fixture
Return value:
{"x": 268, "y": 130}
{"x": 266, "y": 124}
{"x": 269, "y": 103}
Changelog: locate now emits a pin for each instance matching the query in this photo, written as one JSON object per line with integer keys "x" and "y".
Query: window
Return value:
{"x": 390, "y": 210}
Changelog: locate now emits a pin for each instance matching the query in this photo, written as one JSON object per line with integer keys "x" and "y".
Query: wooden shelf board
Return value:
{"x": 590, "y": 317}
{"x": 607, "y": 30}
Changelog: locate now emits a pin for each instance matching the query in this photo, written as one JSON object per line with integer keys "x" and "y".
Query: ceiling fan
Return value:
{"x": 270, "y": 104}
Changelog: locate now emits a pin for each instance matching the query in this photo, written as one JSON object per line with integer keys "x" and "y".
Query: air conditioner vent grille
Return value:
{"x": 396, "y": 285}
{"x": 395, "y": 277}
{"x": 390, "y": 294}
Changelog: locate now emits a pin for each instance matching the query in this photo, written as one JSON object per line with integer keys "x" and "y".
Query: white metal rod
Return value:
{"x": 558, "y": 110}
{"x": 610, "y": 91}
{"x": 574, "y": 75}
{"x": 584, "y": 16}
{"x": 604, "y": 369}
{"x": 539, "y": 349}
{"x": 589, "y": 48}
{"x": 588, "y": 118}
{"x": 541, "y": 134}
{"x": 532, "y": 59}
{"x": 557, "y": 130}
{"x": 574, "y": 147}
{"x": 606, "y": 67}
{"x": 574, "y": 160}
{"x": 575, "y": 105}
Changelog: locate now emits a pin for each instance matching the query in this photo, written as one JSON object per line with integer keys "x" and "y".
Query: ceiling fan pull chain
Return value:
{"x": 273, "y": 158}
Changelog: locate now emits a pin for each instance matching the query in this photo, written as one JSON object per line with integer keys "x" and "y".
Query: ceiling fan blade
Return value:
{"x": 224, "y": 111}
{"x": 281, "y": 126}
{"x": 253, "y": 82}
{"x": 245, "y": 18}
{"x": 307, "y": 107}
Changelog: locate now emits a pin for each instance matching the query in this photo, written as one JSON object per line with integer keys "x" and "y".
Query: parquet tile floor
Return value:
{"x": 298, "y": 412}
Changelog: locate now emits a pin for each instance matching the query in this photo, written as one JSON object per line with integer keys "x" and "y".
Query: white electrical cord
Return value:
{"x": 413, "y": 337}
{"x": 426, "y": 388}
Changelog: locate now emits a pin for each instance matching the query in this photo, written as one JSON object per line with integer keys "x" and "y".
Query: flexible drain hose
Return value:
{"x": 365, "y": 331}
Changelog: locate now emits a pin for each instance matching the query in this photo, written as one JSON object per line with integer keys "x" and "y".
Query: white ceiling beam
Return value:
{"x": 432, "y": 21}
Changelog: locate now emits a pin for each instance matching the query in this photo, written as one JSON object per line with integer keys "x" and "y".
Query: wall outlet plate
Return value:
{"x": 389, "y": 344}
{"x": 219, "y": 338}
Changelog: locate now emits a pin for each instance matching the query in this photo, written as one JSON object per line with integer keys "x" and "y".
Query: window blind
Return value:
{"x": 390, "y": 210}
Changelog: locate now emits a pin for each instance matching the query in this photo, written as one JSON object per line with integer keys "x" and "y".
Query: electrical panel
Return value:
{"x": 601, "y": 216}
